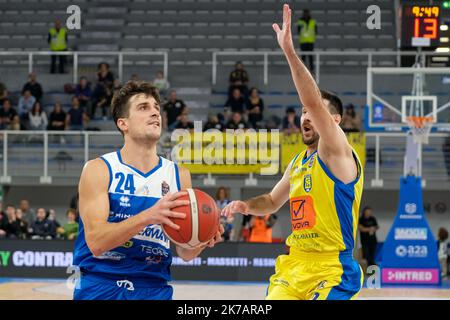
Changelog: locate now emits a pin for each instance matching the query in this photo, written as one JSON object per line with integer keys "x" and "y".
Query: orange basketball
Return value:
{"x": 201, "y": 222}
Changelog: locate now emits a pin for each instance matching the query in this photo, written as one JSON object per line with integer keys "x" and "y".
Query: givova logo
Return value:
{"x": 36, "y": 259}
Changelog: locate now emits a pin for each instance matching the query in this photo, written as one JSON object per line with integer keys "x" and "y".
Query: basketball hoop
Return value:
{"x": 421, "y": 128}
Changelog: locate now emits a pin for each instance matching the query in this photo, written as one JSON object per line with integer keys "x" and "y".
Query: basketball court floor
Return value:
{"x": 50, "y": 289}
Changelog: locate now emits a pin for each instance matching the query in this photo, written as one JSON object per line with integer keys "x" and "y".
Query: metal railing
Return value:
{"x": 317, "y": 57}
{"x": 28, "y": 154}
{"x": 76, "y": 54}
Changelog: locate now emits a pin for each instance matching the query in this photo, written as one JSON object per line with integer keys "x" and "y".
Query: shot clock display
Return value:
{"x": 420, "y": 22}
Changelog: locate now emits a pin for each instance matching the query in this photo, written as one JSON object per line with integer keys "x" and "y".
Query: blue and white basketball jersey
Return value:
{"x": 147, "y": 255}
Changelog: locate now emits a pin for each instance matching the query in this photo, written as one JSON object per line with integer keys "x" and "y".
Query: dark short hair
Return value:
{"x": 71, "y": 210}
{"x": 290, "y": 110}
{"x": 119, "y": 104}
{"x": 442, "y": 234}
{"x": 10, "y": 205}
{"x": 365, "y": 209}
{"x": 335, "y": 105}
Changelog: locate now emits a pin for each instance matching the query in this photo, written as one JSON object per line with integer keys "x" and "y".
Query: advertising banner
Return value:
{"x": 225, "y": 262}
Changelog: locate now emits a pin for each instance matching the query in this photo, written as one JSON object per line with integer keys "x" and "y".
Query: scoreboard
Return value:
{"x": 420, "y": 26}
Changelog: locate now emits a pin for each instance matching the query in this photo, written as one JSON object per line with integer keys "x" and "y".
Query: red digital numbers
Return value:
{"x": 426, "y": 28}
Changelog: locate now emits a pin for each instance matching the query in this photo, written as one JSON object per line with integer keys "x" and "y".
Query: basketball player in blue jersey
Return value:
{"x": 125, "y": 197}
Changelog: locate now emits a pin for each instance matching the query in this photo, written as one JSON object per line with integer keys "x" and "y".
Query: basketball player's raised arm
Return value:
{"x": 189, "y": 254}
{"x": 332, "y": 138}
{"x": 102, "y": 235}
{"x": 264, "y": 204}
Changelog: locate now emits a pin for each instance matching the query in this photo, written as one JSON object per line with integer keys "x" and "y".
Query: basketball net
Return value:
{"x": 420, "y": 128}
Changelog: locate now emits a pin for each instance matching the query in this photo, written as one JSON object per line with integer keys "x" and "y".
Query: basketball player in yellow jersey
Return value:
{"x": 323, "y": 185}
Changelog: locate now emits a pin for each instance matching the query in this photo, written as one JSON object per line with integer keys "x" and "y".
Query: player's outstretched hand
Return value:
{"x": 235, "y": 207}
{"x": 284, "y": 35}
{"x": 217, "y": 238}
{"x": 162, "y": 210}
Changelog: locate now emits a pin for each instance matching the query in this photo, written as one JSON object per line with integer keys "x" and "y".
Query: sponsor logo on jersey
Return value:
{"x": 111, "y": 255}
{"x": 321, "y": 285}
{"x": 303, "y": 214}
{"x": 153, "y": 233}
{"x": 124, "y": 201}
{"x": 153, "y": 259}
{"x": 154, "y": 251}
{"x": 128, "y": 244}
{"x": 311, "y": 161}
{"x": 165, "y": 188}
{"x": 307, "y": 183}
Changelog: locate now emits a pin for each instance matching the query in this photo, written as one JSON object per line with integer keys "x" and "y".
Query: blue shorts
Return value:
{"x": 94, "y": 287}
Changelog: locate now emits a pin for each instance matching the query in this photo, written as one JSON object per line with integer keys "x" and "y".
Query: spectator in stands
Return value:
{"x": 446, "y": 151}
{"x": 76, "y": 117}
{"x": 173, "y": 109}
{"x": 3, "y": 93}
{"x": 57, "y": 39}
{"x": 222, "y": 198}
{"x": 261, "y": 228}
{"x": 117, "y": 85}
{"x": 23, "y": 223}
{"x": 11, "y": 224}
{"x": 237, "y": 122}
{"x": 291, "y": 122}
{"x": 104, "y": 90}
{"x": 26, "y": 102}
{"x": 245, "y": 230}
{"x": 54, "y": 224}
{"x": 307, "y": 31}
{"x": 443, "y": 251}
{"x": 37, "y": 117}
{"x": 74, "y": 202}
{"x": 255, "y": 107}
{"x": 69, "y": 230}
{"x": 83, "y": 92}
{"x": 213, "y": 123}
{"x": 184, "y": 122}
{"x": 238, "y": 80}
{"x": 135, "y": 77}
{"x": 351, "y": 122}
{"x": 9, "y": 119}
{"x": 33, "y": 86}
{"x": 28, "y": 213}
{"x": 236, "y": 103}
{"x": 368, "y": 227}
{"x": 2, "y": 225}
{"x": 228, "y": 227}
{"x": 41, "y": 228}
{"x": 57, "y": 119}
{"x": 161, "y": 83}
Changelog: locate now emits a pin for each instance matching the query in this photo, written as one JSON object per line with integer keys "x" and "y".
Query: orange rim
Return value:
{"x": 420, "y": 122}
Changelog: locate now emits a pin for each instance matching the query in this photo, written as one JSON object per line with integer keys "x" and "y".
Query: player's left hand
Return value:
{"x": 284, "y": 35}
{"x": 217, "y": 238}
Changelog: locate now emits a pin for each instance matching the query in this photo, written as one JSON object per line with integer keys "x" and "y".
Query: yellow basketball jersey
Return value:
{"x": 324, "y": 210}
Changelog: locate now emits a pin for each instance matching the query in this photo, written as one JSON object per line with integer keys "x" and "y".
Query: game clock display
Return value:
{"x": 420, "y": 22}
